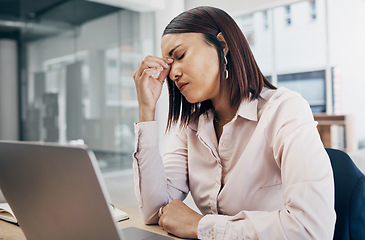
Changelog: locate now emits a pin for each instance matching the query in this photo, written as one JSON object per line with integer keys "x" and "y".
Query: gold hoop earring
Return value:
{"x": 225, "y": 67}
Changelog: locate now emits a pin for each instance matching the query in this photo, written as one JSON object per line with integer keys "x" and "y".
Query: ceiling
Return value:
{"x": 47, "y": 17}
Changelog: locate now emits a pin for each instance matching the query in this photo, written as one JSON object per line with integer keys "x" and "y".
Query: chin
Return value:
{"x": 191, "y": 100}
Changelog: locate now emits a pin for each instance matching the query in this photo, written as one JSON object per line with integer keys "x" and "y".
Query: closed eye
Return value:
{"x": 182, "y": 56}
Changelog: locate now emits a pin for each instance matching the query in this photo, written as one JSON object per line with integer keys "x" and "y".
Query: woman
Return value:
{"x": 249, "y": 153}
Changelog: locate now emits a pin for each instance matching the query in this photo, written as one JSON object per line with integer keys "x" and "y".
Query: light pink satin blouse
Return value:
{"x": 269, "y": 177}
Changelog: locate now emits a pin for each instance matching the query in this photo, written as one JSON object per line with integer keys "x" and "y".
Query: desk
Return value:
{"x": 10, "y": 231}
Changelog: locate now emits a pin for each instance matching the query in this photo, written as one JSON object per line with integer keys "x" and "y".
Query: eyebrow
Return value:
{"x": 172, "y": 51}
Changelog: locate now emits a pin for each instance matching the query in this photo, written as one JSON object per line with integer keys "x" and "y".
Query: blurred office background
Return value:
{"x": 66, "y": 69}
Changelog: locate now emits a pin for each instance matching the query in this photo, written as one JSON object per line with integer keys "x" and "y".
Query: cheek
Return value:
{"x": 208, "y": 84}
{"x": 207, "y": 67}
{"x": 210, "y": 74}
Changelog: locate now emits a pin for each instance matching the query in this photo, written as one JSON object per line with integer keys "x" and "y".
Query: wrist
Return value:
{"x": 195, "y": 232}
{"x": 146, "y": 115}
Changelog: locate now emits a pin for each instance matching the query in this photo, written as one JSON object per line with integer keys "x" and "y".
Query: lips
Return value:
{"x": 181, "y": 86}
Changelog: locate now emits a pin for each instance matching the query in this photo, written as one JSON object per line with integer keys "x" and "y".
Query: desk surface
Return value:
{"x": 10, "y": 231}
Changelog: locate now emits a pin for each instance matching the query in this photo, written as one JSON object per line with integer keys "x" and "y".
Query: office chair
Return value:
{"x": 349, "y": 196}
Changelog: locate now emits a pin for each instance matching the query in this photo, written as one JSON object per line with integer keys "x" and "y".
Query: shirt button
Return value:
{"x": 225, "y": 144}
{"x": 211, "y": 234}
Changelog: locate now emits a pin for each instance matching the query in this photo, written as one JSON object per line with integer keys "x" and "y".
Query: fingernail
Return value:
{"x": 170, "y": 60}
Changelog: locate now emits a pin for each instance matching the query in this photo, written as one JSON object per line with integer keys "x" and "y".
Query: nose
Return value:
{"x": 175, "y": 73}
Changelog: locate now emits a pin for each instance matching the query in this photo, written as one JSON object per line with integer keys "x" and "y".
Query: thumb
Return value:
{"x": 163, "y": 74}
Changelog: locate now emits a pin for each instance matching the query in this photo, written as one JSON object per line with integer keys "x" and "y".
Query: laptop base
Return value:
{"x": 137, "y": 233}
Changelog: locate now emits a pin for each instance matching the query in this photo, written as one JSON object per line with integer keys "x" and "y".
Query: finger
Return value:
{"x": 152, "y": 62}
{"x": 160, "y": 211}
{"x": 160, "y": 222}
{"x": 149, "y": 72}
{"x": 165, "y": 62}
{"x": 140, "y": 70}
{"x": 162, "y": 61}
{"x": 163, "y": 74}
{"x": 165, "y": 71}
{"x": 168, "y": 60}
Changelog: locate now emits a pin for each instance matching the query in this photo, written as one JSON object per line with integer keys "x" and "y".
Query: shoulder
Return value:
{"x": 283, "y": 101}
{"x": 285, "y": 109}
{"x": 281, "y": 95}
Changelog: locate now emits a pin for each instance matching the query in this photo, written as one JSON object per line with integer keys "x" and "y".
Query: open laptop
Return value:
{"x": 57, "y": 192}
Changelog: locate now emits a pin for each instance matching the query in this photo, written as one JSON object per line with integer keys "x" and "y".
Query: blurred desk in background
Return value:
{"x": 337, "y": 131}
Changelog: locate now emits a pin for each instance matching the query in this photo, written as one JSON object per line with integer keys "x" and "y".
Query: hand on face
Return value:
{"x": 149, "y": 87}
{"x": 195, "y": 69}
{"x": 179, "y": 219}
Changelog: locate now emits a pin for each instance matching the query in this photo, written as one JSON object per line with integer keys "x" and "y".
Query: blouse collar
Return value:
{"x": 247, "y": 109}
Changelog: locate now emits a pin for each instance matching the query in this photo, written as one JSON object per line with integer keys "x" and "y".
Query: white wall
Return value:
{"x": 8, "y": 90}
{"x": 347, "y": 54}
{"x": 300, "y": 47}
{"x": 236, "y": 7}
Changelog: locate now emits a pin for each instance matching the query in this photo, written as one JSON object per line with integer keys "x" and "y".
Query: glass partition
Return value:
{"x": 77, "y": 82}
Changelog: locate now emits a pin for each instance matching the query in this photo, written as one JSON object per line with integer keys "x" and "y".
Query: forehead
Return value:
{"x": 171, "y": 41}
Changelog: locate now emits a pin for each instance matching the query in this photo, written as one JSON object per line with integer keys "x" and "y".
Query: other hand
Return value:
{"x": 179, "y": 220}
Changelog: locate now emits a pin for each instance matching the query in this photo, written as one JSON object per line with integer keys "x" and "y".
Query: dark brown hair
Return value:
{"x": 245, "y": 76}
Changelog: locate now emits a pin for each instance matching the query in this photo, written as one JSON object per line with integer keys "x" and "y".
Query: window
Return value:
{"x": 313, "y": 10}
{"x": 288, "y": 18}
{"x": 80, "y": 86}
{"x": 266, "y": 19}
{"x": 311, "y": 85}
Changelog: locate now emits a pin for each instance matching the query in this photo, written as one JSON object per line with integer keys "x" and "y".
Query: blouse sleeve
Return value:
{"x": 307, "y": 182}
{"x": 158, "y": 181}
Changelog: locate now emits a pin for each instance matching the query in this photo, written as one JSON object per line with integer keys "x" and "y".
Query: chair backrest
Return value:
{"x": 349, "y": 196}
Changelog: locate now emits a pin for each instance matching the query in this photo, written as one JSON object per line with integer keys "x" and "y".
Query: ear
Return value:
{"x": 223, "y": 42}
